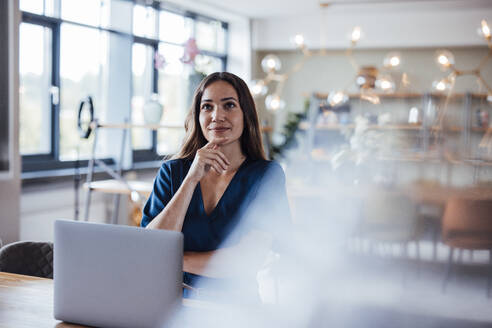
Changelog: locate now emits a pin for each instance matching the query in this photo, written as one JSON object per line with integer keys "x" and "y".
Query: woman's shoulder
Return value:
{"x": 174, "y": 166}
{"x": 263, "y": 166}
{"x": 175, "y": 163}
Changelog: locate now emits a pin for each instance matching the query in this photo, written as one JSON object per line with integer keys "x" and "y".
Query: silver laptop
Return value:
{"x": 116, "y": 276}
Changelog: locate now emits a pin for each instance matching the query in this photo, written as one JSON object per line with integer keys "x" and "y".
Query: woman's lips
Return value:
{"x": 219, "y": 129}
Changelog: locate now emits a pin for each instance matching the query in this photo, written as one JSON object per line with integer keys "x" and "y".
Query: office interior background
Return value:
{"x": 378, "y": 111}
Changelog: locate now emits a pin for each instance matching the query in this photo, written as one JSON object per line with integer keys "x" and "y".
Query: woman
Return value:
{"x": 220, "y": 190}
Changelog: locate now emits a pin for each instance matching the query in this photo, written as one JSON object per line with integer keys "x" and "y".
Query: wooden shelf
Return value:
{"x": 409, "y": 95}
{"x": 478, "y": 129}
{"x": 338, "y": 127}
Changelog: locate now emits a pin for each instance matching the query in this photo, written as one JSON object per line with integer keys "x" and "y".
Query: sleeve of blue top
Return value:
{"x": 160, "y": 196}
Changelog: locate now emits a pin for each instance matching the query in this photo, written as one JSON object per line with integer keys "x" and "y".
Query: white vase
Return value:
{"x": 152, "y": 111}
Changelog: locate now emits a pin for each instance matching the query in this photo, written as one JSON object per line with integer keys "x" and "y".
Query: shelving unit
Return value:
{"x": 465, "y": 127}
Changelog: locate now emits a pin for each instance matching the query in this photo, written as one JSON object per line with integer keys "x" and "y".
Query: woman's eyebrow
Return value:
{"x": 228, "y": 98}
{"x": 223, "y": 99}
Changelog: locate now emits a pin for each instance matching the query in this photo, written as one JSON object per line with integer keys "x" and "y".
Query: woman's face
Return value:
{"x": 221, "y": 117}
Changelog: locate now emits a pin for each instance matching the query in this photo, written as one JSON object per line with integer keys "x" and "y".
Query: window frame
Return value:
{"x": 36, "y": 164}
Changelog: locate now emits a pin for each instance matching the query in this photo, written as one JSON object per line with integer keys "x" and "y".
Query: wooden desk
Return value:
{"x": 28, "y": 302}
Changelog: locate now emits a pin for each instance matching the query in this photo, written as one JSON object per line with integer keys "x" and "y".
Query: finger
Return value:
{"x": 220, "y": 155}
{"x": 223, "y": 156}
{"x": 215, "y": 157}
{"x": 214, "y": 165}
{"x": 209, "y": 145}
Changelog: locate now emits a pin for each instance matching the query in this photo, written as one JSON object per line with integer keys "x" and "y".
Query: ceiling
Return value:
{"x": 262, "y": 9}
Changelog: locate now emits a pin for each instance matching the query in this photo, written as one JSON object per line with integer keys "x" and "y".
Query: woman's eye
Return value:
{"x": 230, "y": 105}
{"x": 206, "y": 107}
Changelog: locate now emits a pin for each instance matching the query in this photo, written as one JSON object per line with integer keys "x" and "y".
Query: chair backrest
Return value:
{"x": 28, "y": 258}
{"x": 467, "y": 216}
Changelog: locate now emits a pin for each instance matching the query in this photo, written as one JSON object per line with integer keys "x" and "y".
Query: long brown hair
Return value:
{"x": 251, "y": 143}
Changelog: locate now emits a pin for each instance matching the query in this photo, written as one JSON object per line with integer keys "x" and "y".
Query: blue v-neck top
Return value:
{"x": 254, "y": 199}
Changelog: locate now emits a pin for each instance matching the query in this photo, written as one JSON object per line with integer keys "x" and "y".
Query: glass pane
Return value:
{"x": 174, "y": 28}
{"x": 208, "y": 64}
{"x": 210, "y": 36}
{"x": 35, "y": 82}
{"x": 82, "y": 56}
{"x": 142, "y": 69}
{"x": 32, "y": 6}
{"x": 49, "y": 8}
{"x": 144, "y": 21}
{"x": 174, "y": 94}
{"x": 86, "y": 12}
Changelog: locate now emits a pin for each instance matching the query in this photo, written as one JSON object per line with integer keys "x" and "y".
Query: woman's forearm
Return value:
{"x": 172, "y": 217}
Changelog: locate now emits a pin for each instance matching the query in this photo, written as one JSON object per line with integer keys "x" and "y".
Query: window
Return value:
{"x": 176, "y": 80}
{"x": 35, "y": 86}
{"x": 88, "y": 12}
{"x": 144, "y": 21}
{"x": 143, "y": 88}
{"x": 174, "y": 95}
{"x": 40, "y": 7}
{"x": 82, "y": 57}
{"x": 174, "y": 28}
{"x": 76, "y": 43}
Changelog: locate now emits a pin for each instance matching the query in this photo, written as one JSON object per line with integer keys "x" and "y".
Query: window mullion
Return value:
{"x": 55, "y": 82}
{"x": 155, "y": 89}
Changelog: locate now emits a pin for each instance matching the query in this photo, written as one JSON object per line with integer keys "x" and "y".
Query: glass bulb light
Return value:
{"x": 270, "y": 64}
{"x": 356, "y": 34}
{"x": 258, "y": 88}
{"x": 298, "y": 40}
{"x": 392, "y": 60}
{"x": 484, "y": 30}
{"x": 444, "y": 59}
{"x": 336, "y": 98}
{"x": 274, "y": 102}
{"x": 385, "y": 83}
{"x": 441, "y": 85}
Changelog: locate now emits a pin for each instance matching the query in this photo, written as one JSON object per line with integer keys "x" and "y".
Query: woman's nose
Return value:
{"x": 218, "y": 114}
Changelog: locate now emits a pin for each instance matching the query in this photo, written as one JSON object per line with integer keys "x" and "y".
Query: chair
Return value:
{"x": 28, "y": 258}
{"x": 467, "y": 224}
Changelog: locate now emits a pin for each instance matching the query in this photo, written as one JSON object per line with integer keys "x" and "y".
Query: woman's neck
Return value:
{"x": 234, "y": 154}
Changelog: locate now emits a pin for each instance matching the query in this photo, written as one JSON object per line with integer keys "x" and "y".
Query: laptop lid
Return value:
{"x": 116, "y": 276}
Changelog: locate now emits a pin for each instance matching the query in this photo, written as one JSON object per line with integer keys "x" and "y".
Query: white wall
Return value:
{"x": 382, "y": 29}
